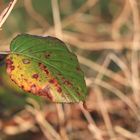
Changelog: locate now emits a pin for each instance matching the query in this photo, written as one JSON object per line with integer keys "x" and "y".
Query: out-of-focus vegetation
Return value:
{"x": 105, "y": 34}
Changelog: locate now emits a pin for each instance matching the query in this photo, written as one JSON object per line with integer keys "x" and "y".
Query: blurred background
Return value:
{"x": 105, "y": 35}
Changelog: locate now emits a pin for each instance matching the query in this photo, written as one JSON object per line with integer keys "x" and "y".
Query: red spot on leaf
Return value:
{"x": 46, "y": 92}
{"x": 59, "y": 89}
{"x": 35, "y": 76}
{"x": 44, "y": 68}
{"x": 9, "y": 62}
{"x": 55, "y": 83}
{"x": 78, "y": 94}
{"x": 52, "y": 81}
{"x": 12, "y": 67}
{"x": 66, "y": 82}
{"x": 9, "y": 65}
{"x": 33, "y": 88}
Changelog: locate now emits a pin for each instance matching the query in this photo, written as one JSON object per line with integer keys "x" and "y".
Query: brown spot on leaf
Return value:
{"x": 47, "y": 55}
{"x": 59, "y": 89}
{"x": 26, "y": 61}
{"x": 78, "y": 68}
{"x": 78, "y": 94}
{"x": 52, "y": 81}
{"x": 66, "y": 82}
{"x": 59, "y": 74}
{"x": 46, "y": 92}
{"x": 26, "y": 80}
{"x": 55, "y": 83}
{"x": 33, "y": 88}
{"x": 35, "y": 76}
{"x": 12, "y": 68}
{"x": 9, "y": 62}
{"x": 13, "y": 80}
{"x": 9, "y": 65}
{"x": 44, "y": 68}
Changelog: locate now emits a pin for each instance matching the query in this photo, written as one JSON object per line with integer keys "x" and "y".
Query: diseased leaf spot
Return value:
{"x": 78, "y": 68}
{"x": 47, "y": 55}
{"x": 13, "y": 80}
{"x": 26, "y": 61}
{"x": 55, "y": 83}
{"x": 12, "y": 68}
{"x": 9, "y": 65}
{"x": 78, "y": 94}
{"x": 9, "y": 62}
{"x": 46, "y": 92}
{"x": 66, "y": 82}
{"x": 44, "y": 68}
{"x": 52, "y": 81}
{"x": 35, "y": 76}
{"x": 33, "y": 88}
{"x": 59, "y": 89}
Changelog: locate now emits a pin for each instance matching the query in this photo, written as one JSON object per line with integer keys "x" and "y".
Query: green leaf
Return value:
{"x": 44, "y": 66}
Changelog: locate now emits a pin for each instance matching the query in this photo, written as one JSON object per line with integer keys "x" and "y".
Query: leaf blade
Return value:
{"x": 67, "y": 85}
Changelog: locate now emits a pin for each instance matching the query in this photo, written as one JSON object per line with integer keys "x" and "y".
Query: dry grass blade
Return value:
{"x": 121, "y": 19}
{"x": 86, "y": 6}
{"x": 136, "y": 44}
{"x": 4, "y": 15}
{"x": 72, "y": 39}
{"x": 104, "y": 112}
{"x": 49, "y": 132}
{"x": 57, "y": 20}
{"x": 112, "y": 57}
{"x": 96, "y": 67}
{"x": 61, "y": 120}
{"x": 125, "y": 133}
{"x": 92, "y": 126}
{"x": 119, "y": 94}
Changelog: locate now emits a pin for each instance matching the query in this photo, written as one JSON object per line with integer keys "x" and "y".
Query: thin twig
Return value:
{"x": 120, "y": 20}
{"x": 92, "y": 126}
{"x": 72, "y": 39}
{"x": 112, "y": 57}
{"x": 96, "y": 67}
{"x": 134, "y": 55}
{"x": 86, "y": 6}
{"x": 119, "y": 94}
{"x": 104, "y": 112}
{"x": 127, "y": 134}
{"x": 56, "y": 18}
{"x": 45, "y": 126}
{"x": 6, "y": 12}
